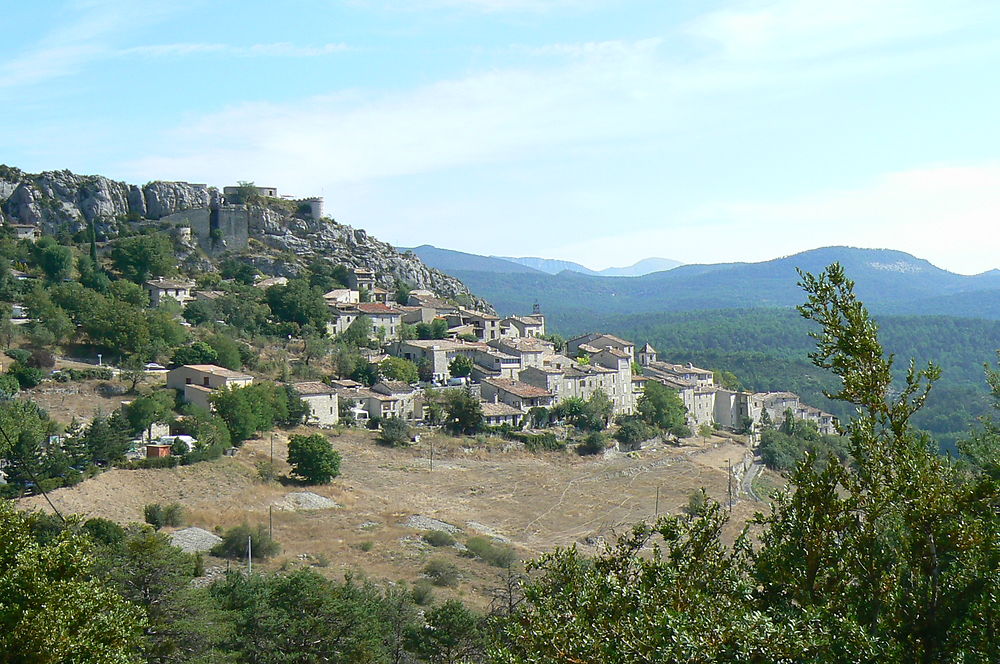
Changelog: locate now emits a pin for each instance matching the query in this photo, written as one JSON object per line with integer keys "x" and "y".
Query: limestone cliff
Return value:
{"x": 273, "y": 236}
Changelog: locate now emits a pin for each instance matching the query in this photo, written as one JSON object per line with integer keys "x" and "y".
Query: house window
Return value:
{"x": 187, "y": 381}
{"x": 205, "y": 381}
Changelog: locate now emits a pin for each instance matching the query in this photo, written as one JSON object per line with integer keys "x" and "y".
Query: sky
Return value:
{"x": 599, "y": 131}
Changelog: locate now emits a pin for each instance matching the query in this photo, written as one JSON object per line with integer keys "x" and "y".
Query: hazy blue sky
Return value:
{"x": 601, "y": 131}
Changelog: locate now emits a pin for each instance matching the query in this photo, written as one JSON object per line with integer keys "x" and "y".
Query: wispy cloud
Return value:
{"x": 87, "y": 35}
{"x": 275, "y": 49}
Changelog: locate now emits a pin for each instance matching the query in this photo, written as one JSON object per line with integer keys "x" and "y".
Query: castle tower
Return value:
{"x": 647, "y": 355}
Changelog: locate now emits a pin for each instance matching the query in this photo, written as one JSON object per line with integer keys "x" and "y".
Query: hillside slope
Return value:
{"x": 275, "y": 234}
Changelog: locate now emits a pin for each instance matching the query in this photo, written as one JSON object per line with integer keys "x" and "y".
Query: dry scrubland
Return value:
{"x": 535, "y": 501}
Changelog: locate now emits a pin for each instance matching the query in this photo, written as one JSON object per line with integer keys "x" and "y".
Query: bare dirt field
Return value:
{"x": 535, "y": 501}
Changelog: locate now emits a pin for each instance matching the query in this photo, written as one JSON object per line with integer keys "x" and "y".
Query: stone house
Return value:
{"x": 163, "y": 288}
{"x": 515, "y": 393}
{"x": 526, "y": 326}
{"x": 361, "y": 279}
{"x": 324, "y": 405}
{"x": 599, "y": 341}
{"x": 437, "y": 352}
{"x": 197, "y": 382}
{"x": 342, "y": 296}
{"x": 496, "y": 414}
{"x": 405, "y": 393}
{"x": 26, "y": 231}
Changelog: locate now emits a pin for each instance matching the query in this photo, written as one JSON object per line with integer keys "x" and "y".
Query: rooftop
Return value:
{"x": 517, "y": 388}
{"x": 498, "y": 409}
{"x": 313, "y": 387}
{"x": 216, "y": 370}
{"x": 169, "y": 283}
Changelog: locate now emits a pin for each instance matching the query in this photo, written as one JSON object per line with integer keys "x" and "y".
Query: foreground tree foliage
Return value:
{"x": 893, "y": 559}
{"x": 52, "y": 607}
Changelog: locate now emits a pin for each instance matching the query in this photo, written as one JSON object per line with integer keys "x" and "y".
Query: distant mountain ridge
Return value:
{"x": 888, "y": 281}
{"x": 555, "y": 266}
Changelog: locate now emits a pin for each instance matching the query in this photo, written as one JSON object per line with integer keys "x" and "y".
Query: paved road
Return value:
{"x": 746, "y": 486}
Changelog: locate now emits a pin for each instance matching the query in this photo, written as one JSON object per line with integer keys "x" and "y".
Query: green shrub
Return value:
{"x": 594, "y": 443}
{"x": 234, "y": 543}
{"x": 538, "y": 442}
{"x": 442, "y": 572}
{"x": 423, "y": 592}
{"x": 157, "y": 515}
{"x": 438, "y": 538}
{"x": 104, "y": 530}
{"x": 498, "y": 555}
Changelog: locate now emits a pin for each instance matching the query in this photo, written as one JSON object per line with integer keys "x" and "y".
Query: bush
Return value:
{"x": 104, "y": 531}
{"x": 19, "y": 355}
{"x": 438, "y": 538}
{"x": 157, "y": 515}
{"x": 41, "y": 359}
{"x": 422, "y": 593}
{"x": 681, "y": 431}
{"x": 313, "y": 458}
{"x": 27, "y": 377}
{"x": 538, "y": 442}
{"x": 498, "y": 555}
{"x": 594, "y": 443}
{"x": 442, "y": 572}
{"x": 234, "y": 543}
{"x": 395, "y": 432}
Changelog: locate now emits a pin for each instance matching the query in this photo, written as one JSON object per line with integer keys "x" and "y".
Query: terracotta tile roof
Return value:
{"x": 376, "y": 308}
{"x": 517, "y": 388}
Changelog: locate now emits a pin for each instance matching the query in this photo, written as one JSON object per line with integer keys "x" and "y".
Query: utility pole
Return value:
{"x": 432, "y": 453}
{"x": 272, "y": 450}
{"x": 729, "y": 482}
{"x": 270, "y": 521}
{"x": 249, "y": 557}
{"x": 657, "y": 512}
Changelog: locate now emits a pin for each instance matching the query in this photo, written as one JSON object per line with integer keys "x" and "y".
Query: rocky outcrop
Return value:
{"x": 163, "y": 198}
{"x": 340, "y": 244}
{"x": 282, "y": 241}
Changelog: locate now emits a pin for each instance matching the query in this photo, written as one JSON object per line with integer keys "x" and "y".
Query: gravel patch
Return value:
{"x": 489, "y": 532}
{"x": 305, "y": 500}
{"x": 193, "y": 540}
{"x": 427, "y": 523}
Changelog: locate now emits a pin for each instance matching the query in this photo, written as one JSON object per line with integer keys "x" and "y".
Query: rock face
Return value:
{"x": 61, "y": 200}
{"x": 350, "y": 246}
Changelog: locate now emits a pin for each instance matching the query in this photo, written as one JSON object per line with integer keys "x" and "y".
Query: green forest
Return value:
{"x": 768, "y": 349}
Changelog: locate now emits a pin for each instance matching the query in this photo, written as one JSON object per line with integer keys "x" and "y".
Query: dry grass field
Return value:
{"x": 536, "y": 502}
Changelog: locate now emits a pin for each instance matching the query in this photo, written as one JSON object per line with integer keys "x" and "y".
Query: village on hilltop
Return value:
{"x": 513, "y": 368}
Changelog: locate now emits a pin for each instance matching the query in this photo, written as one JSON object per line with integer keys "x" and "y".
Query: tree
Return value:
{"x": 358, "y": 333}
{"x": 464, "y": 414}
{"x": 133, "y": 372}
{"x": 146, "y": 411}
{"x": 460, "y": 367}
{"x": 234, "y": 543}
{"x": 198, "y": 352}
{"x": 661, "y": 407}
{"x": 366, "y": 372}
{"x": 298, "y": 302}
{"x": 237, "y": 270}
{"x": 891, "y": 559}
{"x": 142, "y": 257}
{"x": 453, "y": 634}
{"x": 54, "y": 608}
{"x": 227, "y": 351}
{"x": 398, "y": 368}
{"x": 395, "y": 432}
{"x": 313, "y": 459}
{"x": 705, "y": 430}
{"x": 56, "y": 261}
{"x": 315, "y": 346}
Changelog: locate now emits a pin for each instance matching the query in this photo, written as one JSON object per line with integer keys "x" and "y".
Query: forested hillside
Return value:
{"x": 888, "y": 281}
{"x": 767, "y": 349}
